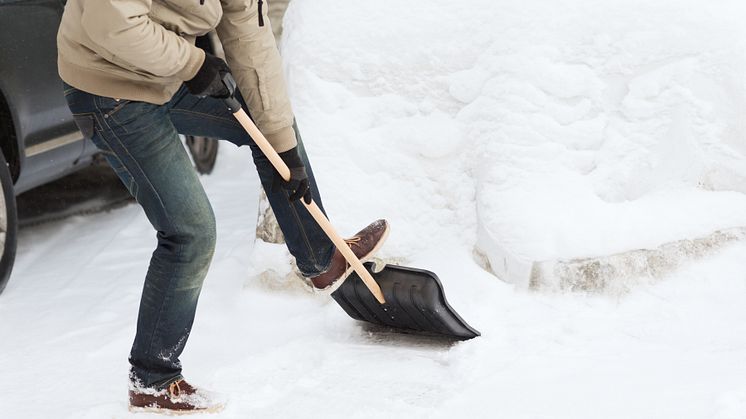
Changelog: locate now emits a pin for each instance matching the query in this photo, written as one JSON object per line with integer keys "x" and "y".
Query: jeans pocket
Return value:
{"x": 86, "y": 125}
{"x": 129, "y": 115}
{"x": 109, "y": 107}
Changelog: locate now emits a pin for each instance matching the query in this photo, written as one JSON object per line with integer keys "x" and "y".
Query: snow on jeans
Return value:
{"x": 140, "y": 141}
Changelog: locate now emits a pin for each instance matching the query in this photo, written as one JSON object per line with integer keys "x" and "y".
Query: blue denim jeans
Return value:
{"x": 141, "y": 143}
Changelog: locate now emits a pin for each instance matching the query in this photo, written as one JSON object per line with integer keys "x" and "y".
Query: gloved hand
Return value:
{"x": 298, "y": 186}
{"x": 209, "y": 79}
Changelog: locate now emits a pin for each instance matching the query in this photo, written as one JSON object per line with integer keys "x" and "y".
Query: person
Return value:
{"x": 134, "y": 80}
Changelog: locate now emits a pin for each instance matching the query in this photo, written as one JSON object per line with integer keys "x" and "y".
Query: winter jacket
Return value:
{"x": 144, "y": 50}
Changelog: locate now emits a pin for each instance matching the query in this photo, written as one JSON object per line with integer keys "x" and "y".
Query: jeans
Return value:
{"x": 141, "y": 143}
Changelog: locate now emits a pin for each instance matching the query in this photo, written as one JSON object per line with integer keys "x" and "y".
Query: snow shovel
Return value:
{"x": 418, "y": 302}
{"x": 234, "y": 106}
{"x": 415, "y": 302}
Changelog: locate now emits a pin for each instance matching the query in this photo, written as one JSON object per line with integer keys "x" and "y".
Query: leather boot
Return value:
{"x": 178, "y": 398}
{"x": 364, "y": 244}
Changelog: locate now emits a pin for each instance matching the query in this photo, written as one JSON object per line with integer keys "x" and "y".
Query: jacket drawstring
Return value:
{"x": 261, "y": 16}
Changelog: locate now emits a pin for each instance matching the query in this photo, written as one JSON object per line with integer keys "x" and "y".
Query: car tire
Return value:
{"x": 8, "y": 224}
{"x": 204, "y": 152}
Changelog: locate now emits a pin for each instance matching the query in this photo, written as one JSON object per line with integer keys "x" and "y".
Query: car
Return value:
{"x": 39, "y": 141}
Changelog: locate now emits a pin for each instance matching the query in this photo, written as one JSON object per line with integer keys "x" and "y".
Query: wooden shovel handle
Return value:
{"x": 312, "y": 208}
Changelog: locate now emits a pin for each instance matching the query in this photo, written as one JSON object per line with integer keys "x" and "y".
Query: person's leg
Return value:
{"x": 142, "y": 145}
{"x": 306, "y": 241}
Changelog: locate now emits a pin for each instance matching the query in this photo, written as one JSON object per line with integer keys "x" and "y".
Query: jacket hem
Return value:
{"x": 102, "y": 83}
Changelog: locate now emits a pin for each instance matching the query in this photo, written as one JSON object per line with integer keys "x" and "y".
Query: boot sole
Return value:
{"x": 338, "y": 283}
{"x": 171, "y": 412}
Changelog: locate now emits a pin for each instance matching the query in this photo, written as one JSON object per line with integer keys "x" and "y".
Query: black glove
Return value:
{"x": 209, "y": 79}
{"x": 297, "y": 186}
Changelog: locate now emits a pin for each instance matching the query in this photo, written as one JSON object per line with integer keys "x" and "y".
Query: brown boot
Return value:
{"x": 364, "y": 245}
{"x": 178, "y": 399}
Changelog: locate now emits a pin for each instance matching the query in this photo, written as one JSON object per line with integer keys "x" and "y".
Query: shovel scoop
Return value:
{"x": 415, "y": 302}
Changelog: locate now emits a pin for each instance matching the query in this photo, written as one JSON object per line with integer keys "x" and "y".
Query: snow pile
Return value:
{"x": 543, "y": 130}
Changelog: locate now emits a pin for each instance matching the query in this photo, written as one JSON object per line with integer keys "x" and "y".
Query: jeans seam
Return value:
{"x": 302, "y": 229}
{"x": 110, "y": 151}
{"x": 165, "y": 213}
{"x": 134, "y": 161}
{"x": 231, "y": 122}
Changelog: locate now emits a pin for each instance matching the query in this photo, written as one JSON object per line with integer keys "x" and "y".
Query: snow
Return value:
{"x": 557, "y": 130}
{"x": 550, "y": 130}
{"x": 671, "y": 349}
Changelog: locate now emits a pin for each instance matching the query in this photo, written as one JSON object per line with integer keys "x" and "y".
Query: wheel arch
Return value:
{"x": 9, "y": 139}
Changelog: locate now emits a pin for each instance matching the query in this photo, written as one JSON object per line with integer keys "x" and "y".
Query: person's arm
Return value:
{"x": 255, "y": 62}
{"x": 124, "y": 32}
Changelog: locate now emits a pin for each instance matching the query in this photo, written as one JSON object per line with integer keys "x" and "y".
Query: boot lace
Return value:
{"x": 174, "y": 390}
{"x": 353, "y": 241}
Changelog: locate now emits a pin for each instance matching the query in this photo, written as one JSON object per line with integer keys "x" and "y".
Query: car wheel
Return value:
{"x": 204, "y": 152}
{"x": 8, "y": 223}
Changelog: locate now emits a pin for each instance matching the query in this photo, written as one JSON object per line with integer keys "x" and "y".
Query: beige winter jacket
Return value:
{"x": 144, "y": 50}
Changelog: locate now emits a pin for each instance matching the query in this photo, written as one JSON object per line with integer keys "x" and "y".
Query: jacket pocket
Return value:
{"x": 271, "y": 80}
{"x": 265, "y": 88}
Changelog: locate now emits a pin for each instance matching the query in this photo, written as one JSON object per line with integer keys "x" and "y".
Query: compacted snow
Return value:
{"x": 544, "y": 130}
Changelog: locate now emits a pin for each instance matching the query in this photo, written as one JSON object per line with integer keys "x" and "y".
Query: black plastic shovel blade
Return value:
{"x": 415, "y": 301}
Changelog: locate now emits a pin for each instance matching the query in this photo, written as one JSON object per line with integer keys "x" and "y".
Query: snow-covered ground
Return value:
{"x": 593, "y": 127}
{"x": 674, "y": 349}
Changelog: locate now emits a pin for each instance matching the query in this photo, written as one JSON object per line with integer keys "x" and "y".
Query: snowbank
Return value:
{"x": 542, "y": 131}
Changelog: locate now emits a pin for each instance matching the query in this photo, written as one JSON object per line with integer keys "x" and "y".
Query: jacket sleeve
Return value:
{"x": 125, "y": 33}
{"x": 255, "y": 62}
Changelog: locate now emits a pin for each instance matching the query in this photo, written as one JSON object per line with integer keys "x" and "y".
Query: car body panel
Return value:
{"x": 45, "y": 142}
{"x": 49, "y": 142}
